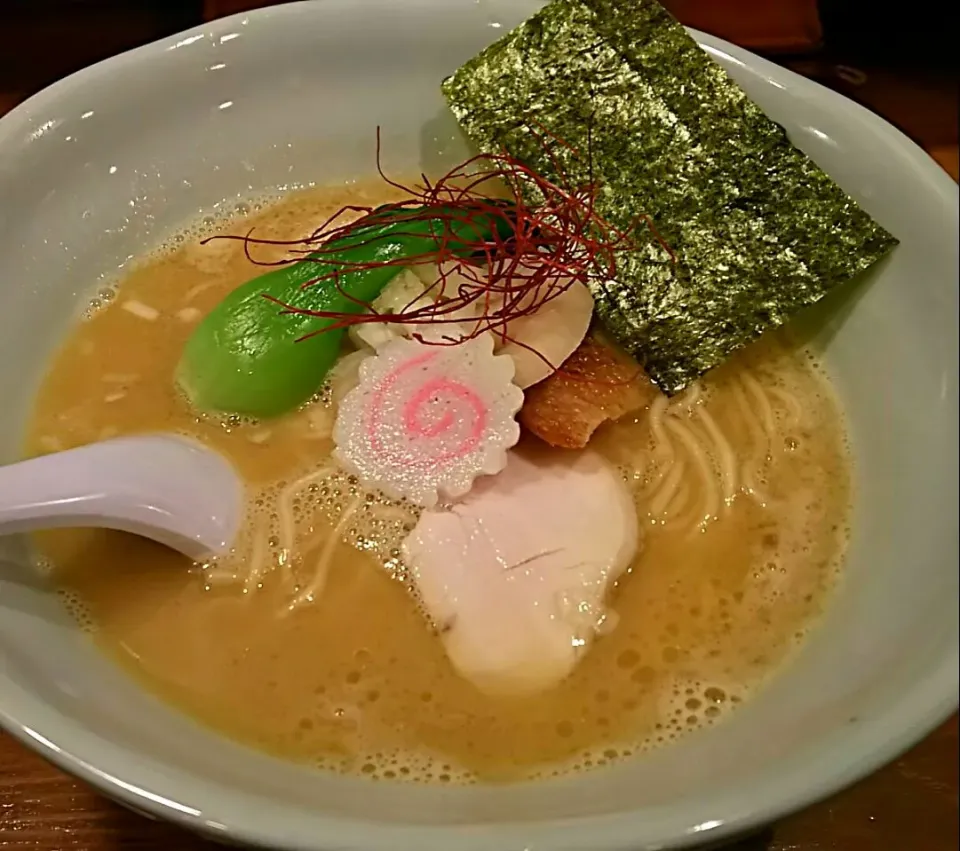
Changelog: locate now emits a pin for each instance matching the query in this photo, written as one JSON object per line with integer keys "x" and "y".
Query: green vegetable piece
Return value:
{"x": 247, "y": 356}
{"x": 757, "y": 229}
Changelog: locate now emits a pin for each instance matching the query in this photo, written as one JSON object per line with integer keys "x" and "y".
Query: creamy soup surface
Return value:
{"x": 340, "y": 668}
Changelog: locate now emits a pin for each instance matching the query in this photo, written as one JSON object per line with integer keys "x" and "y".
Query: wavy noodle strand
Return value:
{"x": 670, "y": 486}
{"x": 712, "y": 500}
{"x": 687, "y": 438}
{"x": 321, "y": 569}
{"x": 285, "y": 511}
{"x": 724, "y": 454}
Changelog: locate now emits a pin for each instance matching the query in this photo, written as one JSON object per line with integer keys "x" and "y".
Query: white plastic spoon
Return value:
{"x": 162, "y": 487}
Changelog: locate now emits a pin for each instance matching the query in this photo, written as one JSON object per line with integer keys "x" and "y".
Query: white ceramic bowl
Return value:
{"x": 100, "y": 166}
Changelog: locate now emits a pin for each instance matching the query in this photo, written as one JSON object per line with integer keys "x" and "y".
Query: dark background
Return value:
{"x": 41, "y": 40}
{"x": 901, "y": 63}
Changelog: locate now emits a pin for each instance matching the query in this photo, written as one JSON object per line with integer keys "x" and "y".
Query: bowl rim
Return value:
{"x": 870, "y": 747}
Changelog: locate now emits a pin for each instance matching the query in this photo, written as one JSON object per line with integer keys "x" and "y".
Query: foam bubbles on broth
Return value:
{"x": 314, "y": 648}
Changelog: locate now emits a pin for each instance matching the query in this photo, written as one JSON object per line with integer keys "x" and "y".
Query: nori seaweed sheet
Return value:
{"x": 757, "y": 229}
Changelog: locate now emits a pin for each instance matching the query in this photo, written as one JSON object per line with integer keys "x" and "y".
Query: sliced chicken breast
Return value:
{"x": 515, "y": 576}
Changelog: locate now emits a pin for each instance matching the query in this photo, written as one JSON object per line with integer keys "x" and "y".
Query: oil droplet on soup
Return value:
{"x": 355, "y": 679}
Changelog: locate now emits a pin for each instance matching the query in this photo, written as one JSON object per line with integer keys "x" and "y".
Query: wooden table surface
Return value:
{"x": 911, "y": 805}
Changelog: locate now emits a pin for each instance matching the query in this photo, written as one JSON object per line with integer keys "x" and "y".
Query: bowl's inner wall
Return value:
{"x": 102, "y": 169}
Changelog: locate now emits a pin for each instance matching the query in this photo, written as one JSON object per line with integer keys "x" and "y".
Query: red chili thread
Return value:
{"x": 561, "y": 240}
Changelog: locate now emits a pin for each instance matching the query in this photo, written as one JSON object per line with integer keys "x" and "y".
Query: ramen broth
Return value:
{"x": 307, "y": 643}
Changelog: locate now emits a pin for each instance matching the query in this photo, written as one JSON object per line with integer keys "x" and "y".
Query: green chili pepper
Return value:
{"x": 244, "y": 357}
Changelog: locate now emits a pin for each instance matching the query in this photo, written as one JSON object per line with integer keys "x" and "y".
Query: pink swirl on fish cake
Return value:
{"x": 412, "y": 415}
{"x": 431, "y": 418}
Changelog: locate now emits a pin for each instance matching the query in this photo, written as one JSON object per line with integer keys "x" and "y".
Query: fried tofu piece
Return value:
{"x": 597, "y": 383}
